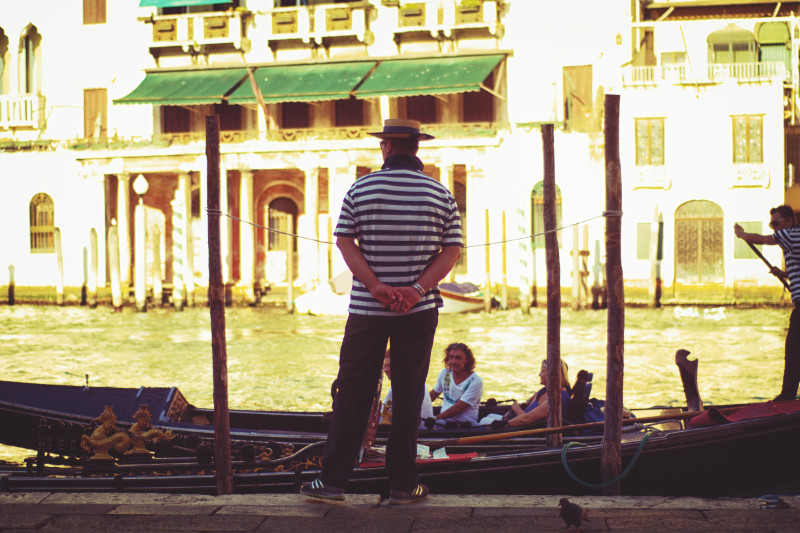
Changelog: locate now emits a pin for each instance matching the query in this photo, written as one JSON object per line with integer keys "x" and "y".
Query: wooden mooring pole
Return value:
{"x": 611, "y": 459}
{"x": 93, "y": 265}
{"x": 216, "y": 302}
{"x": 553, "y": 288}
{"x": 114, "y": 268}
{"x": 59, "y": 267}
{"x": 11, "y": 285}
{"x": 487, "y": 292}
{"x": 656, "y": 247}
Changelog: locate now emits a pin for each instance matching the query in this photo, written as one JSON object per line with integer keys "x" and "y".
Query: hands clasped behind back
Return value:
{"x": 398, "y": 299}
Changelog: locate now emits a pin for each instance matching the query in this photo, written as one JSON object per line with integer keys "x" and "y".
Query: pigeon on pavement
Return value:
{"x": 571, "y": 513}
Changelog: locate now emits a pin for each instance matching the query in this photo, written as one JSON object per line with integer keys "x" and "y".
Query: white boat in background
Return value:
{"x": 322, "y": 301}
{"x": 460, "y": 298}
{"x": 332, "y": 298}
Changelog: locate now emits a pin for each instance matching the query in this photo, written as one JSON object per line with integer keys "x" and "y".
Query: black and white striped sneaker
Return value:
{"x": 316, "y": 489}
{"x": 398, "y": 497}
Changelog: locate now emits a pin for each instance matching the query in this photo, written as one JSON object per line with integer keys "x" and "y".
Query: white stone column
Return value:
{"x": 184, "y": 197}
{"x": 140, "y": 238}
{"x": 247, "y": 232}
{"x": 309, "y": 227}
{"x": 447, "y": 178}
{"x": 481, "y": 196}
{"x": 385, "y": 107}
{"x": 178, "y": 246}
{"x": 340, "y": 179}
{"x": 158, "y": 286}
{"x": 123, "y": 226}
{"x": 326, "y": 234}
{"x": 224, "y": 224}
{"x": 202, "y": 255}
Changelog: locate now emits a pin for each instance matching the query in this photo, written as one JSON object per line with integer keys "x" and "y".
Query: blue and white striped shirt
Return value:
{"x": 789, "y": 241}
{"x": 401, "y": 219}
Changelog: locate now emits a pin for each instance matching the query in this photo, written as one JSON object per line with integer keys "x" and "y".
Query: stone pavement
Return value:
{"x": 122, "y": 512}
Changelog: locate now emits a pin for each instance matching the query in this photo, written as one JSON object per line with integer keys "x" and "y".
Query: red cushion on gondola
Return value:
{"x": 450, "y": 458}
{"x": 714, "y": 417}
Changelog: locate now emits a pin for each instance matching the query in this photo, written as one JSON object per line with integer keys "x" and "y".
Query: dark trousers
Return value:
{"x": 360, "y": 366}
{"x": 791, "y": 370}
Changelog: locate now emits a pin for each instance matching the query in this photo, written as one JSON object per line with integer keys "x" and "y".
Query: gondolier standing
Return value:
{"x": 787, "y": 236}
{"x": 400, "y": 234}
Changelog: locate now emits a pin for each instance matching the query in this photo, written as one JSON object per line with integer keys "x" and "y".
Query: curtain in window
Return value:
{"x": 422, "y": 108}
{"x": 295, "y": 115}
{"x": 349, "y": 113}
{"x": 649, "y": 141}
{"x": 754, "y": 140}
{"x": 747, "y": 140}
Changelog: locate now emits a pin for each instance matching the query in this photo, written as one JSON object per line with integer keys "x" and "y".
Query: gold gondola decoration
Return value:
{"x": 142, "y": 432}
{"x": 105, "y": 438}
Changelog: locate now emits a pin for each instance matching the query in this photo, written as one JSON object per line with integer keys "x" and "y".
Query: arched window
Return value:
{"x": 29, "y": 54}
{"x": 537, "y": 212}
{"x": 282, "y": 216}
{"x": 698, "y": 242}
{"x": 774, "y": 43}
{"x": 4, "y": 75}
{"x": 42, "y": 222}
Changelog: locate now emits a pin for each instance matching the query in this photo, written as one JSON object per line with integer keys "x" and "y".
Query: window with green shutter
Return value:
{"x": 741, "y": 250}
{"x": 643, "y": 232}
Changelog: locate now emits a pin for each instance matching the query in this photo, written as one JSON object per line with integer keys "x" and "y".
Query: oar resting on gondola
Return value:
{"x": 435, "y": 445}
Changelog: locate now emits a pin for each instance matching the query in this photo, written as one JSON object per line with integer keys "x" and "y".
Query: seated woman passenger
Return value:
{"x": 537, "y": 404}
{"x": 460, "y": 386}
{"x": 426, "y": 411}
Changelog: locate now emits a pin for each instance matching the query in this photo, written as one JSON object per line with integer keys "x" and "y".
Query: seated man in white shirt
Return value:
{"x": 461, "y": 388}
{"x": 426, "y": 411}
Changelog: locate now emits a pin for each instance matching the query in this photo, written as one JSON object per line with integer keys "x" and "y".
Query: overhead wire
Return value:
{"x": 217, "y": 212}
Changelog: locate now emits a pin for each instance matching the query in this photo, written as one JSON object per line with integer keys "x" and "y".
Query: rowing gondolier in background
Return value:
{"x": 787, "y": 236}
{"x": 400, "y": 234}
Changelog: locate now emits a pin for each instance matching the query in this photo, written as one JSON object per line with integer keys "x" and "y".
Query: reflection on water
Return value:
{"x": 287, "y": 362}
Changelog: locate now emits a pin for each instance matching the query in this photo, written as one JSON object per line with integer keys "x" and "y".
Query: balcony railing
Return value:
{"x": 195, "y": 30}
{"x": 750, "y": 175}
{"x": 22, "y": 111}
{"x": 651, "y": 177}
{"x": 713, "y": 73}
{"x": 476, "y": 131}
{"x": 307, "y": 23}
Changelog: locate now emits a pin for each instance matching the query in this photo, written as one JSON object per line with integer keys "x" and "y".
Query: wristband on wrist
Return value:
{"x": 419, "y": 289}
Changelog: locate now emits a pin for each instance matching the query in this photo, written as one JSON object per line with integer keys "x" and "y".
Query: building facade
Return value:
{"x": 94, "y": 94}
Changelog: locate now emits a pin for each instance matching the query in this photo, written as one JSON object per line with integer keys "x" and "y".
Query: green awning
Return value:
{"x": 180, "y": 3}
{"x": 773, "y": 33}
{"x": 731, "y": 34}
{"x": 196, "y": 87}
{"x": 439, "y": 75}
{"x": 304, "y": 83}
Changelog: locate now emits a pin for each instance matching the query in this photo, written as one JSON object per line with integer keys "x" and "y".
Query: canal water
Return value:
{"x": 287, "y": 362}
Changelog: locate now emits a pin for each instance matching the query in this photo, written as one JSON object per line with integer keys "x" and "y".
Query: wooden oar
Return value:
{"x": 546, "y": 431}
{"x": 753, "y": 247}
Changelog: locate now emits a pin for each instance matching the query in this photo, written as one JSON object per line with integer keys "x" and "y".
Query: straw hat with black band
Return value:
{"x": 400, "y": 128}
